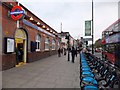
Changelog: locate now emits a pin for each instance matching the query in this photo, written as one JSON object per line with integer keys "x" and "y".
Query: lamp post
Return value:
{"x": 92, "y": 30}
{"x": 68, "y": 38}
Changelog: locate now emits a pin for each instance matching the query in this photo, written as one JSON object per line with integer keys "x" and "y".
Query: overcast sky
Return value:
{"x": 73, "y": 13}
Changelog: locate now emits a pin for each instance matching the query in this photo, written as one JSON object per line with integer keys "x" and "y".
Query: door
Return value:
{"x": 21, "y": 51}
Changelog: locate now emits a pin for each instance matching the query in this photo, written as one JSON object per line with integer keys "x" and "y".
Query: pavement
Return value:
{"x": 51, "y": 72}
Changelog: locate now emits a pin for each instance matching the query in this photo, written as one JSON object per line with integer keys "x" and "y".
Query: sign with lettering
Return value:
{"x": 9, "y": 45}
{"x": 17, "y": 12}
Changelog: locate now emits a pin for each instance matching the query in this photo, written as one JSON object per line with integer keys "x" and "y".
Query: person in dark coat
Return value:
{"x": 73, "y": 51}
{"x": 76, "y": 52}
{"x": 59, "y": 52}
{"x": 21, "y": 54}
{"x": 17, "y": 56}
{"x": 64, "y": 51}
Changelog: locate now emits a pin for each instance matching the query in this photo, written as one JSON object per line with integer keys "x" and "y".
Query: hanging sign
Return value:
{"x": 17, "y": 12}
{"x": 88, "y": 28}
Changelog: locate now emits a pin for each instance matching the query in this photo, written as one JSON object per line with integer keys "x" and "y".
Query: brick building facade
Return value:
{"x": 34, "y": 37}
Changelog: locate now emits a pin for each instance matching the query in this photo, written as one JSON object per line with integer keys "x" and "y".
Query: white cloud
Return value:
{"x": 73, "y": 14}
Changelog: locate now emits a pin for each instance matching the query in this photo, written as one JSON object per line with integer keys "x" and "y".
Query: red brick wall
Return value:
{"x": 9, "y": 27}
{"x": 8, "y": 61}
{"x": 8, "y": 24}
{"x": 39, "y": 55}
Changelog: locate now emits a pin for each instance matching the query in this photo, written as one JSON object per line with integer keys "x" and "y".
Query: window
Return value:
{"x": 53, "y": 44}
{"x": 38, "y": 39}
{"x": 111, "y": 48}
{"x": 47, "y": 42}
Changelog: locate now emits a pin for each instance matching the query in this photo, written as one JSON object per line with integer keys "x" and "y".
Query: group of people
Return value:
{"x": 72, "y": 50}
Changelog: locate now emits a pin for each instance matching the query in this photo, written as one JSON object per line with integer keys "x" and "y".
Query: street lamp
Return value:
{"x": 92, "y": 29}
{"x": 68, "y": 38}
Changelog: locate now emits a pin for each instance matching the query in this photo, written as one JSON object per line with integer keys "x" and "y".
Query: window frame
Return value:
{"x": 53, "y": 44}
{"x": 47, "y": 42}
{"x": 38, "y": 42}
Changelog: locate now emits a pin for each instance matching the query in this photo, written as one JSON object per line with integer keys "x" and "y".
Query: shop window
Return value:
{"x": 38, "y": 42}
{"x": 47, "y": 44}
{"x": 53, "y": 44}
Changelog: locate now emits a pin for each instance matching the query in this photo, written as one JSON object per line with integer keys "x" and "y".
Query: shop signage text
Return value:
{"x": 17, "y": 12}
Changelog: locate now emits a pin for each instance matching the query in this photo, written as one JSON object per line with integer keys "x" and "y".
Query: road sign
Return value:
{"x": 17, "y": 12}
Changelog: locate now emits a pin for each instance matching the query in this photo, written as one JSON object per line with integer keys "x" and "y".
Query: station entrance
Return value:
{"x": 20, "y": 46}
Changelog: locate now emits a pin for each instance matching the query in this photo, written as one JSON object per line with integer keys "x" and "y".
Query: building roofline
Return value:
{"x": 37, "y": 17}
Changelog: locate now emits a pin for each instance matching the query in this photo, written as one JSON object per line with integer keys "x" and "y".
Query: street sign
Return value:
{"x": 88, "y": 28}
{"x": 17, "y": 12}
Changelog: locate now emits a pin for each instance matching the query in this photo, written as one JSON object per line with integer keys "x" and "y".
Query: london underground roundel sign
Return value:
{"x": 17, "y": 13}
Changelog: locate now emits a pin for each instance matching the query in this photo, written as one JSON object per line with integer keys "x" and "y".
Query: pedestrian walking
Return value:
{"x": 73, "y": 54}
{"x": 76, "y": 52}
{"x": 64, "y": 51}
{"x": 59, "y": 52}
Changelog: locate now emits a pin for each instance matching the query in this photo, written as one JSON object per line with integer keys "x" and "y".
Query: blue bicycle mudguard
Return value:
{"x": 90, "y": 88}
{"x": 83, "y": 61}
{"x": 83, "y": 66}
{"x": 85, "y": 69}
{"x": 88, "y": 75}
{"x": 86, "y": 72}
{"x": 90, "y": 80}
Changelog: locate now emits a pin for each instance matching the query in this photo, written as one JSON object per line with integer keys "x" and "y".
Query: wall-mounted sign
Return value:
{"x": 9, "y": 45}
{"x": 36, "y": 27}
{"x": 17, "y": 12}
{"x": 88, "y": 28}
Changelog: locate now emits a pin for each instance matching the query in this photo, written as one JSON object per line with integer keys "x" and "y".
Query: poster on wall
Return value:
{"x": 9, "y": 45}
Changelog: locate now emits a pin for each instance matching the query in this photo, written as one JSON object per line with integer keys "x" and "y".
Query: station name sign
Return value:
{"x": 17, "y": 12}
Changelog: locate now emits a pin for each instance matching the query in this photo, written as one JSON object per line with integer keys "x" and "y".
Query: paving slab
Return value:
{"x": 51, "y": 72}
